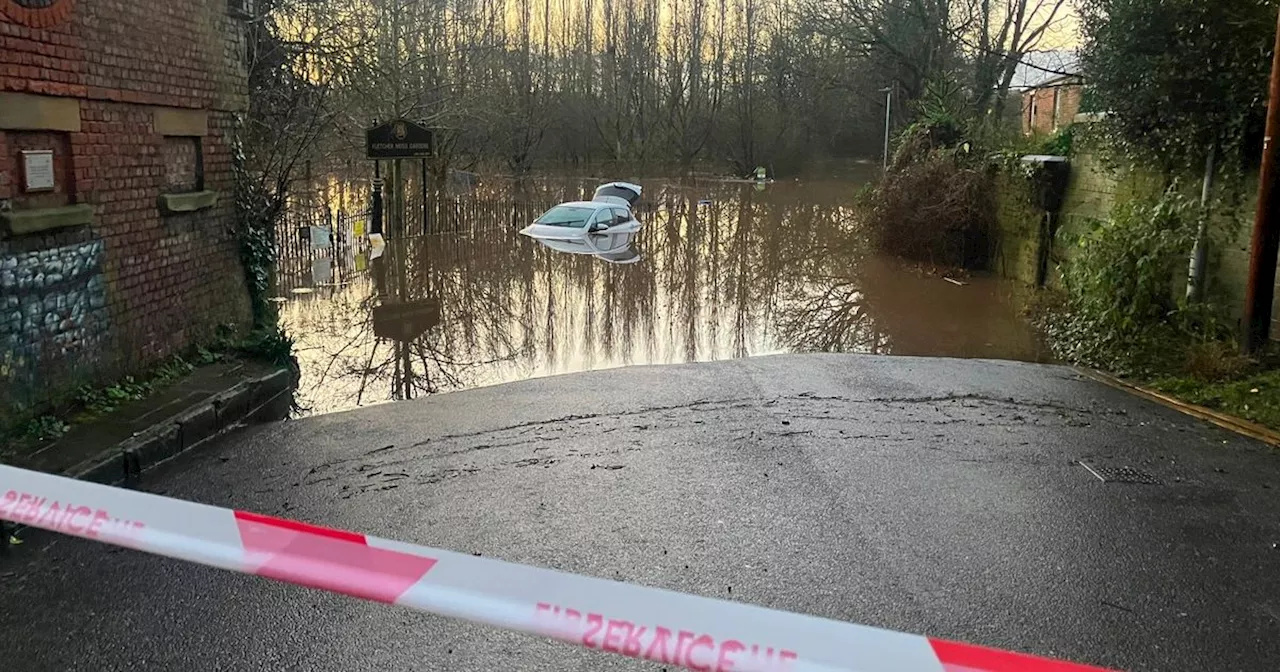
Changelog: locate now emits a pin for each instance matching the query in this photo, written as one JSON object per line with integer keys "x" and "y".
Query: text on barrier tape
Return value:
{"x": 695, "y": 633}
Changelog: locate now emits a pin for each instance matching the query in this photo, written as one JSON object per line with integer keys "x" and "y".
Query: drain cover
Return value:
{"x": 1121, "y": 475}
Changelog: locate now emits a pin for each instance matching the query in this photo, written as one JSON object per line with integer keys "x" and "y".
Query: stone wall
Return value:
{"x": 1018, "y": 229}
{"x": 1092, "y": 193}
{"x": 54, "y": 305}
{"x": 130, "y": 257}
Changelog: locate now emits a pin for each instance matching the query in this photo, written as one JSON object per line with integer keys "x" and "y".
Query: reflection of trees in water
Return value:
{"x": 824, "y": 307}
{"x": 719, "y": 263}
{"x": 741, "y": 274}
{"x": 446, "y": 269}
{"x": 830, "y": 316}
{"x": 846, "y": 300}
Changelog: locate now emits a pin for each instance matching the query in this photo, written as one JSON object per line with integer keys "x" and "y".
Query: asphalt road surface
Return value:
{"x": 940, "y": 497}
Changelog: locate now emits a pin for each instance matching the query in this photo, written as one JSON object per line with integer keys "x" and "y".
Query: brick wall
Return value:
{"x": 180, "y": 156}
{"x": 1048, "y": 109}
{"x": 179, "y": 54}
{"x": 146, "y": 82}
{"x": 1069, "y": 107}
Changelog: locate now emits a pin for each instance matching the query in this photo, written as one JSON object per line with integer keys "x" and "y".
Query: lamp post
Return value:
{"x": 888, "y": 112}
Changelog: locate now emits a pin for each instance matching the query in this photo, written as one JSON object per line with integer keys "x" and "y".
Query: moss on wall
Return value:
{"x": 1017, "y": 229}
{"x": 1093, "y": 190}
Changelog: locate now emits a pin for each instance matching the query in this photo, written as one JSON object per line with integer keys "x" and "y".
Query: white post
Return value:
{"x": 1200, "y": 254}
{"x": 888, "y": 111}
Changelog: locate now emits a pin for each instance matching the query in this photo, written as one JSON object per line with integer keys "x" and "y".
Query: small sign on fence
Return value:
{"x": 320, "y": 238}
{"x": 321, "y": 271}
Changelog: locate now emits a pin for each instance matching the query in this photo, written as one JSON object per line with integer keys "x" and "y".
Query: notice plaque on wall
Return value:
{"x": 37, "y": 169}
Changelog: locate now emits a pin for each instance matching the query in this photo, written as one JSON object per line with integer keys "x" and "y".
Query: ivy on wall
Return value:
{"x": 256, "y": 214}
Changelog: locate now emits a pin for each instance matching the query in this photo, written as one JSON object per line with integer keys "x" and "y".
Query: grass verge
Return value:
{"x": 1208, "y": 373}
{"x": 1254, "y": 397}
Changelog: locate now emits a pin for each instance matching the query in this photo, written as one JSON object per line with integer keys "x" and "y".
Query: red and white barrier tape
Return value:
{"x": 697, "y": 633}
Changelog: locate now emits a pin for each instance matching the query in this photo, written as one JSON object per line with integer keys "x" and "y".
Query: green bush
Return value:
{"x": 1058, "y": 144}
{"x": 942, "y": 122}
{"x": 1124, "y": 291}
{"x": 270, "y": 345}
{"x": 1177, "y": 78}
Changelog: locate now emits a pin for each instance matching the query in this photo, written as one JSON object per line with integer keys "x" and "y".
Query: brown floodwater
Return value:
{"x": 726, "y": 270}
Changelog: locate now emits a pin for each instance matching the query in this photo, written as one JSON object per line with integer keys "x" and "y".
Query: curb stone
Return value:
{"x": 125, "y": 463}
{"x": 1228, "y": 422}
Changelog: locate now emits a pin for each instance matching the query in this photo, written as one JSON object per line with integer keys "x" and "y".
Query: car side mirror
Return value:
{"x": 599, "y": 228}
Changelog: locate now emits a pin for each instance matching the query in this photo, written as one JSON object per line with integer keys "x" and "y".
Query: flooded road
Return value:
{"x": 726, "y": 270}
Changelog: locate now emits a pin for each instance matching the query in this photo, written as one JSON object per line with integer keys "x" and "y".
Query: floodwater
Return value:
{"x": 726, "y": 270}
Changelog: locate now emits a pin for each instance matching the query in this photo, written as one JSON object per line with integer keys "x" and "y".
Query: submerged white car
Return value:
{"x": 603, "y": 226}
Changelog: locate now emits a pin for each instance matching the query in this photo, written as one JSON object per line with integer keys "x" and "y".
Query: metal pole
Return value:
{"x": 389, "y": 207}
{"x": 397, "y": 200}
{"x": 1260, "y": 291}
{"x": 1200, "y": 253}
{"x": 375, "y": 205}
{"x": 425, "y": 228}
{"x": 888, "y": 112}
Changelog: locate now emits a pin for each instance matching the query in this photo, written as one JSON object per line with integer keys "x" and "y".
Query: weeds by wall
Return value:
{"x": 1125, "y": 307}
{"x": 1017, "y": 223}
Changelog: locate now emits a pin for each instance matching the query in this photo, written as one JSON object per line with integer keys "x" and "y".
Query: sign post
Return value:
{"x": 425, "y": 227}
{"x": 375, "y": 215}
{"x": 395, "y": 140}
{"x": 397, "y": 189}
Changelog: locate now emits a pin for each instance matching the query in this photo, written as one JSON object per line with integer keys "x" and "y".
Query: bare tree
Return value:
{"x": 517, "y": 84}
{"x": 911, "y": 42}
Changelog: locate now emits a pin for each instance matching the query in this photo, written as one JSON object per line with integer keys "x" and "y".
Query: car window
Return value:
{"x": 603, "y": 217}
{"x": 621, "y": 216}
{"x": 565, "y": 215}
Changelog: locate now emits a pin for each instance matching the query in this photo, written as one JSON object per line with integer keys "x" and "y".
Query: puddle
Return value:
{"x": 724, "y": 271}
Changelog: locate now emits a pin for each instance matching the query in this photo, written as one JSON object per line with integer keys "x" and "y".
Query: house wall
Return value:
{"x": 100, "y": 276}
{"x": 1047, "y": 109}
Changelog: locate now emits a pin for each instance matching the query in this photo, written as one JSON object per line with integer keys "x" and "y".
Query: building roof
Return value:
{"x": 1040, "y": 68}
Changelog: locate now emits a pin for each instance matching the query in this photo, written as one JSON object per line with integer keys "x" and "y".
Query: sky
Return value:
{"x": 1066, "y": 35}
